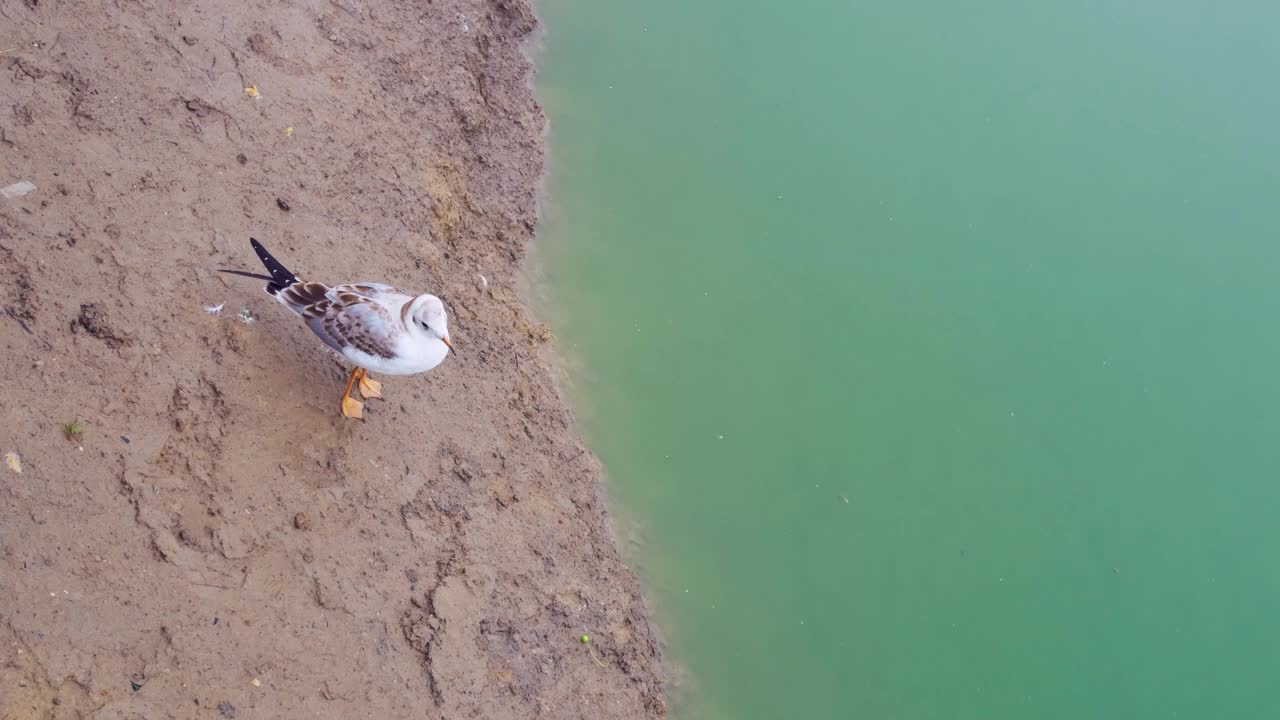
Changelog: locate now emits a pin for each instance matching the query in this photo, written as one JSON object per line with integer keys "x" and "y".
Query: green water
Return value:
{"x": 1003, "y": 275}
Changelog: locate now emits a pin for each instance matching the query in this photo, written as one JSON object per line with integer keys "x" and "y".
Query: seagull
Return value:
{"x": 375, "y": 326}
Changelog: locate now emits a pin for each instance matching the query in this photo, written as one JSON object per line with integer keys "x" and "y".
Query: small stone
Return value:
{"x": 302, "y": 521}
{"x": 282, "y": 204}
{"x": 135, "y": 685}
{"x": 227, "y": 709}
{"x": 242, "y": 159}
{"x": 17, "y": 189}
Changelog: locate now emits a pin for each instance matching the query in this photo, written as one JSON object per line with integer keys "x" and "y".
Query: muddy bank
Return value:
{"x": 194, "y": 531}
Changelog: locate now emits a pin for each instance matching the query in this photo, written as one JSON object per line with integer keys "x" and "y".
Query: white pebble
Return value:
{"x": 17, "y": 189}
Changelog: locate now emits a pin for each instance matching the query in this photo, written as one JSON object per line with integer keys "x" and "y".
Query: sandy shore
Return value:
{"x": 216, "y": 542}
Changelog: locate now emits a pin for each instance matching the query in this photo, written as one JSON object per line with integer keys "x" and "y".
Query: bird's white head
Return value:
{"x": 428, "y": 316}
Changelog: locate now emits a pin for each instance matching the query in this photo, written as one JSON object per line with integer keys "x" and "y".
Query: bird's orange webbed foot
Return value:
{"x": 351, "y": 407}
{"x": 370, "y": 388}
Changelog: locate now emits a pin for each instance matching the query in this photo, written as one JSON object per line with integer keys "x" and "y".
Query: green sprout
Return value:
{"x": 586, "y": 640}
{"x": 74, "y": 430}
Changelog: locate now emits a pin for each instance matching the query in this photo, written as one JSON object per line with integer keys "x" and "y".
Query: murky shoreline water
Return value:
{"x": 929, "y": 345}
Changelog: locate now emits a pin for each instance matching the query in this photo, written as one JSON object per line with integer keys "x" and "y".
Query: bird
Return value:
{"x": 375, "y": 326}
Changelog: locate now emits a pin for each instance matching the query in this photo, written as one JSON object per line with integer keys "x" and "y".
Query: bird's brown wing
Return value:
{"x": 348, "y": 316}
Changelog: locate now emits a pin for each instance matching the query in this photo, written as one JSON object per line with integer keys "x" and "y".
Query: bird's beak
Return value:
{"x": 449, "y": 345}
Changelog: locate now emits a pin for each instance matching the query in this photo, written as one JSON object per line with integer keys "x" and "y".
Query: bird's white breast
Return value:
{"x": 413, "y": 355}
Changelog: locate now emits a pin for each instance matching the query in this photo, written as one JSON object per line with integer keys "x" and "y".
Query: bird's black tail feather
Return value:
{"x": 280, "y": 275}
{"x": 242, "y": 273}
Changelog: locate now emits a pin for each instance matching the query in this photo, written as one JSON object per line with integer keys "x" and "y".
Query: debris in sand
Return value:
{"x": 199, "y": 107}
{"x": 17, "y": 190}
{"x": 252, "y": 91}
{"x": 288, "y": 132}
{"x": 255, "y": 682}
{"x": 20, "y": 321}
{"x": 14, "y": 462}
{"x": 586, "y": 640}
{"x": 74, "y": 430}
{"x": 214, "y": 309}
{"x": 93, "y": 320}
{"x": 246, "y": 317}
